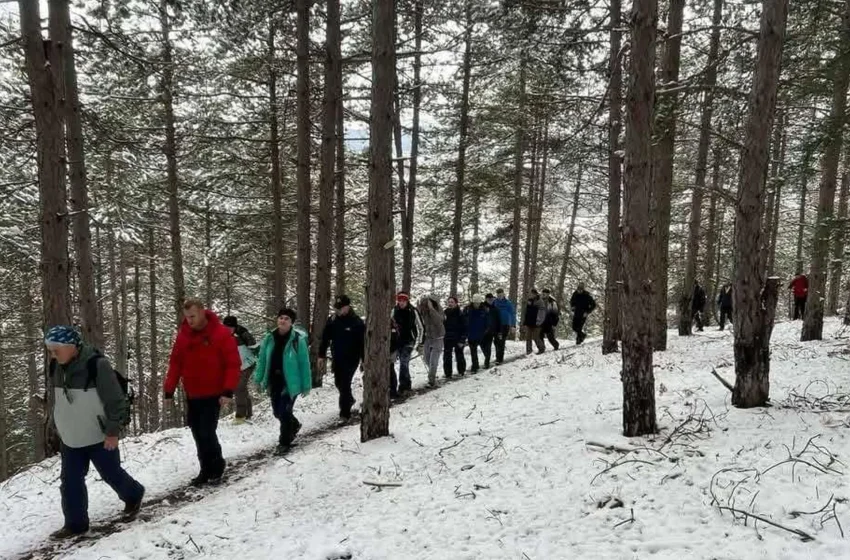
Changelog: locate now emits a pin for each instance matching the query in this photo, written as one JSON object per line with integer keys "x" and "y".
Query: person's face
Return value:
{"x": 500, "y": 295}
{"x": 196, "y": 318}
{"x": 344, "y": 310}
{"x": 402, "y": 303}
{"x": 490, "y": 301}
{"x": 452, "y": 303}
{"x": 545, "y": 294}
{"x": 62, "y": 353}
{"x": 284, "y": 324}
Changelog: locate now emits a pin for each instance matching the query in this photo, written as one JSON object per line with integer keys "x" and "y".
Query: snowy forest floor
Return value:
{"x": 524, "y": 461}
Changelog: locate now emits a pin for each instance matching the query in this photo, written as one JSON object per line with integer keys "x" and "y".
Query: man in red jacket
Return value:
{"x": 206, "y": 359}
{"x": 799, "y": 286}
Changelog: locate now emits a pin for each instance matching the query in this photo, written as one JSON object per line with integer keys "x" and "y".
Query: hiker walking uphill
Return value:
{"x": 205, "y": 358}
{"x": 582, "y": 304}
{"x": 247, "y": 345}
{"x": 456, "y": 332}
{"x": 494, "y": 329}
{"x": 507, "y": 327}
{"x": 553, "y": 317}
{"x": 283, "y": 371}
{"x": 535, "y": 316}
{"x": 477, "y": 324}
{"x": 345, "y": 335}
{"x": 89, "y": 411}
{"x": 408, "y": 334}
{"x": 698, "y": 305}
{"x": 433, "y": 334}
{"x": 799, "y": 287}
{"x": 724, "y": 302}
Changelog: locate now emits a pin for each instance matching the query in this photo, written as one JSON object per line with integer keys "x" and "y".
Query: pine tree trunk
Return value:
{"x": 611, "y": 318}
{"x": 376, "y": 404}
{"x": 839, "y": 236}
{"x": 208, "y": 257}
{"x": 32, "y": 346}
{"x": 114, "y": 297}
{"x": 154, "y": 389}
{"x": 776, "y": 151}
{"x": 636, "y": 297}
{"x": 476, "y": 242}
{"x": 531, "y": 201}
{"x": 755, "y": 300}
{"x": 813, "y": 321}
{"x": 801, "y": 224}
{"x": 457, "y": 221}
{"x": 339, "y": 178}
{"x": 538, "y": 209}
{"x": 167, "y": 85}
{"x": 61, "y": 36}
{"x": 662, "y": 171}
{"x": 778, "y": 183}
{"x": 4, "y": 444}
{"x": 141, "y": 397}
{"x": 278, "y": 278}
{"x": 302, "y": 178}
{"x": 519, "y": 167}
{"x": 715, "y": 227}
{"x": 409, "y": 214}
{"x": 686, "y": 298}
{"x": 562, "y": 277}
{"x": 326, "y": 184}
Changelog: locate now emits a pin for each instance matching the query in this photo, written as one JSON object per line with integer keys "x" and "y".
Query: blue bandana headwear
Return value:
{"x": 66, "y": 336}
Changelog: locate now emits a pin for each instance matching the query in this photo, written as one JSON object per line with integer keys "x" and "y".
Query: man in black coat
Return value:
{"x": 345, "y": 334}
{"x": 494, "y": 328}
{"x": 535, "y": 317}
{"x": 724, "y": 302}
{"x": 407, "y": 325}
{"x": 553, "y": 317}
{"x": 582, "y": 304}
{"x": 697, "y": 305}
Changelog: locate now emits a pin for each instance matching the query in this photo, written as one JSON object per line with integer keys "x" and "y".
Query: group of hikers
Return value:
{"x": 799, "y": 288}
{"x": 215, "y": 360}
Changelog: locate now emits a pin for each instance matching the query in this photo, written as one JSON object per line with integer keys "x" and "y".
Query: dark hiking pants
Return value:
{"x": 456, "y": 348}
{"x": 403, "y": 381}
{"x": 579, "y": 319}
{"x": 474, "y": 345}
{"x": 725, "y": 314}
{"x": 499, "y": 342}
{"x": 244, "y": 403}
{"x": 535, "y": 335}
{"x": 549, "y": 334}
{"x": 282, "y": 405}
{"x": 799, "y": 308}
{"x": 487, "y": 348}
{"x": 696, "y": 317}
{"x": 343, "y": 376}
{"x": 75, "y": 467}
{"x": 202, "y": 418}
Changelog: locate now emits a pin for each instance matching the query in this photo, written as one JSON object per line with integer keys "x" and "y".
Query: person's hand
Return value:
{"x": 512, "y": 333}
{"x": 320, "y": 363}
{"x": 110, "y": 443}
{"x": 223, "y": 401}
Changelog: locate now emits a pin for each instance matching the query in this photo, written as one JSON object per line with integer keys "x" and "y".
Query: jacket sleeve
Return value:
{"x": 541, "y": 314}
{"x": 361, "y": 340}
{"x": 260, "y": 370}
{"x": 248, "y": 338}
{"x": 592, "y": 305}
{"x": 327, "y": 334}
{"x": 511, "y": 314}
{"x": 304, "y": 366}
{"x": 115, "y": 405}
{"x": 175, "y": 368}
{"x": 420, "y": 328}
{"x": 232, "y": 364}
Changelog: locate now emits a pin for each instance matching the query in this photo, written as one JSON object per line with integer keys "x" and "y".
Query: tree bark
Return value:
{"x": 662, "y": 171}
{"x": 611, "y": 318}
{"x": 4, "y": 444}
{"x": 776, "y": 192}
{"x": 376, "y": 404}
{"x": 686, "y": 298}
{"x": 813, "y": 321}
{"x": 715, "y": 227}
{"x": 463, "y": 138}
{"x": 637, "y": 301}
{"x": 32, "y": 346}
{"x": 302, "y": 177}
{"x": 474, "y": 286}
{"x": 409, "y": 214}
{"x": 61, "y": 36}
{"x": 755, "y": 301}
{"x": 326, "y": 183}
{"x": 519, "y": 170}
{"x": 776, "y": 151}
{"x": 562, "y": 277}
{"x": 839, "y": 236}
{"x": 339, "y": 179}
{"x": 154, "y": 419}
{"x": 531, "y": 201}
{"x": 208, "y": 257}
{"x": 278, "y": 279}
{"x": 538, "y": 209}
{"x": 141, "y": 397}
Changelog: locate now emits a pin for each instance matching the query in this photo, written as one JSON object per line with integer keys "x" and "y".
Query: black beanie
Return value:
{"x": 230, "y": 321}
{"x": 288, "y": 312}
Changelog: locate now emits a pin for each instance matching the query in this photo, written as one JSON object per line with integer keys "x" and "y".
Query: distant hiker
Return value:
{"x": 507, "y": 328}
{"x": 477, "y": 323}
{"x": 799, "y": 286}
{"x": 582, "y": 304}
{"x": 535, "y": 316}
{"x": 283, "y": 371}
{"x": 434, "y": 332}
{"x": 724, "y": 302}
{"x": 90, "y": 410}
{"x": 494, "y": 329}
{"x": 409, "y": 330}
{"x": 455, "y": 339}
{"x": 247, "y": 346}
{"x": 345, "y": 334}
{"x": 553, "y": 317}
{"x": 698, "y": 305}
{"x": 205, "y": 358}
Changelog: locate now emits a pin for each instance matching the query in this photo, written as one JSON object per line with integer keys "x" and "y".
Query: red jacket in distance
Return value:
{"x": 800, "y": 286}
{"x": 207, "y": 361}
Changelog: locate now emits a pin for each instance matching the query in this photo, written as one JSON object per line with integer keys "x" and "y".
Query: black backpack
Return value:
{"x": 91, "y": 381}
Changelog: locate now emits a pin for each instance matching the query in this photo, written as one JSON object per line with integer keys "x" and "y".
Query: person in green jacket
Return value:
{"x": 283, "y": 370}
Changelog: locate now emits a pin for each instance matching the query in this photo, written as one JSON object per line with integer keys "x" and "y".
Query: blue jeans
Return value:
{"x": 75, "y": 467}
{"x": 282, "y": 405}
{"x": 404, "y": 381}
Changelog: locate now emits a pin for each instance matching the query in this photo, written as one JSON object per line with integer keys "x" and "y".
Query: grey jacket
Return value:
{"x": 432, "y": 319}
{"x": 85, "y": 417}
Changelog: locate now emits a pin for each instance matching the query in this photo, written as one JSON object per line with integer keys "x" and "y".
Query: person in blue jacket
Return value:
{"x": 507, "y": 313}
{"x": 477, "y": 323}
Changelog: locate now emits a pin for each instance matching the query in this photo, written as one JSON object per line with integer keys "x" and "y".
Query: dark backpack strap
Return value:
{"x": 91, "y": 368}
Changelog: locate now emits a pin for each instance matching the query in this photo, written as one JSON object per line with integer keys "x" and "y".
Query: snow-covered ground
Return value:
{"x": 508, "y": 464}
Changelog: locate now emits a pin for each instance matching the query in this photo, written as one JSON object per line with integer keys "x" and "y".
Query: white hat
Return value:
{"x": 477, "y": 298}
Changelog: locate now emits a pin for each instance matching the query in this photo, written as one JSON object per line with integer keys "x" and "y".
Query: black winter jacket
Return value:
{"x": 344, "y": 334}
{"x": 582, "y": 302}
{"x": 724, "y": 300}
{"x": 698, "y": 303}
{"x": 535, "y": 312}
{"x": 455, "y": 323}
{"x": 409, "y": 325}
{"x": 494, "y": 320}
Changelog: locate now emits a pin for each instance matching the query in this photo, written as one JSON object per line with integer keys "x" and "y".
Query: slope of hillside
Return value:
{"x": 522, "y": 461}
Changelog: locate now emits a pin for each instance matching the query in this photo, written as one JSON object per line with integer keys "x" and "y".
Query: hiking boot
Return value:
{"x": 215, "y": 480}
{"x": 199, "y": 480}
{"x": 67, "y": 533}
{"x": 487, "y": 364}
{"x": 282, "y": 449}
{"x": 238, "y": 421}
{"x": 473, "y": 370}
{"x": 131, "y": 509}
{"x": 557, "y": 345}
{"x": 540, "y": 352}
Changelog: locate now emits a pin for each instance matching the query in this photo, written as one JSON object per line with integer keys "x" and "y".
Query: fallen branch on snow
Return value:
{"x": 610, "y": 447}
{"x": 378, "y": 484}
{"x": 725, "y": 383}
{"x": 806, "y": 537}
